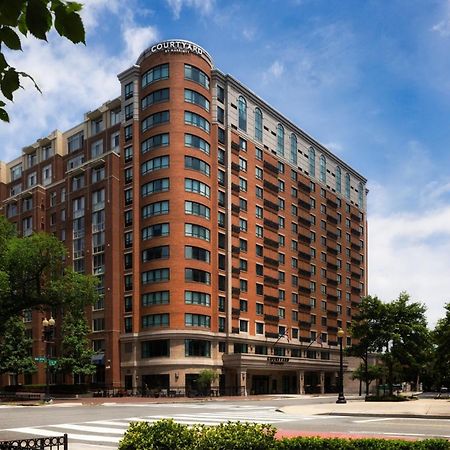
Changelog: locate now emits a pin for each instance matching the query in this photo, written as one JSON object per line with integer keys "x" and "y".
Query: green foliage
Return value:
{"x": 441, "y": 337}
{"x": 368, "y": 374}
{"x": 36, "y": 17}
{"x": 161, "y": 435}
{"x": 168, "y": 435}
{"x": 237, "y": 436}
{"x": 15, "y": 348}
{"x": 205, "y": 378}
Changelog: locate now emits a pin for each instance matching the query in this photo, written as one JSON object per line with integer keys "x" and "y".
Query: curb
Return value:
{"x": 403, "y": 416}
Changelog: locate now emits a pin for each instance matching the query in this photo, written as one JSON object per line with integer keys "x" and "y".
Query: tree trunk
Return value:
{"x": 366, "y": 371}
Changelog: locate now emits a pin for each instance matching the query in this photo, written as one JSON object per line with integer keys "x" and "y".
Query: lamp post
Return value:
{"x": 341, "y": 397}
{"x": 48, "y": 327}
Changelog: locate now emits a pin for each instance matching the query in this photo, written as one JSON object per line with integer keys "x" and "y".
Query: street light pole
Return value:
{"x": 48, "y": 328}
{"x": 341, "y": 397}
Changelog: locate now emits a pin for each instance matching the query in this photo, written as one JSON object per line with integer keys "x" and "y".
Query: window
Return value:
{"x": 128, "y": 111}
{"x": 197, "y": 348}
{"x": 150, "y": 254}
{"x": 193, "y": 163}
{"x": 197, "y": 298}
{"x": 98, "y": 324}
{"x": 243, "y": 326}
{"x": 220, "y": 115}
{"x": 75, "y": 142}
{"x": 294, "y": 149}
{"x": 155, "y": 74}
{"x": 259, "y": 154}
{"x": 196, "y": 209}
{"x": 323, "y": 169}
{"x": 155, "y": 209}
{"x": 196, "y": 120}
{"x": 161, "y": 95}
{"x": 155, "y": 349}
{"x": 193, "y": 141}
{"x": 157, "y": 230}
{"x": 259, "y": 192}
{"x": 243, "y": 225}
{"x": 242, "y": 184}
{"x": 221, "y": 219}
{"x": 222, "y": 324}
{"x": 259, "y": 212}
{"x": 194, "y": 74}
{"x": 128, "y": 154}
{"x": 280, "y": 139}
{"x": 47, "y": 175}
{"x": 160, "y": 162}
{"x": 128, "y": 90}
{"x": 155, "y": 186}
{"x": 281, "y": 204}
{"x": 220, "y": 94}
{"x": 197, "y": 320}
{"x": 159, "y": 140}
{"x": 196, "y": 231}
{"x": 259, "y": 231}
{"x": 258, "y": 125}
{"x": 128, "y": 132}
{"x": 196, "y": 98}
{"x": 243, "y": 245}
{"x": 154, "y": 120}
{"x": 197, "y": 187}
{"x": 258, "y": 173}
{"x": 32, "y": 179}
{"x": 156, "y": 298}
{"x": 312, "y": 161}
{"x": 347, "y": 185}
{"x": 155, "y": 276}
{"x": 243, "y": 164}
{"x": 243, "y": 305}
{"x": 242, "y": 113}
{"x": 361, "y": 195}
{"x": 221, "y": 177}
{"x": 200, "y": 254}
{"x": 259, "y": 328}
{"x": 243, "y": 285}
{"x": 155, "y": 320}
{"x": 260, "y": 309}
{"x": 197, "y": 276}
{"x": 281, "y": 186}
{"x": 338, "y": 179}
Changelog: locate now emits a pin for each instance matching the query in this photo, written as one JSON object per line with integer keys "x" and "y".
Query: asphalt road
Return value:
{"x": 104, "y": 424}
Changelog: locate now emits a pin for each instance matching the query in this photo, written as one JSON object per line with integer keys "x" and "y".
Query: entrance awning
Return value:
{"x": 98, "y": 359}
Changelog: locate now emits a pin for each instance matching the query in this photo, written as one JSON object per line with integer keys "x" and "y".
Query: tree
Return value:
{"x": 368, "y": 332}
{"x": 76, "y": 351}
{"x": 36, "y": 277}
{"x": 398, "y": 331}
{"x": 205, "y": 379}
{"x": 368, "y": 373}
{"x": 36, "y": 17}
{"x": 441, "y": 337}
{"x": 15, "y": 348}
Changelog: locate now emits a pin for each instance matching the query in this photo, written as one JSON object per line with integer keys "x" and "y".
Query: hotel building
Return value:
{"x": 224, "y": 236}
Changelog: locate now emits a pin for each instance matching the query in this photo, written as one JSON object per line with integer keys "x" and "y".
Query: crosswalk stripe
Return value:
{"x": 92, "y": 429}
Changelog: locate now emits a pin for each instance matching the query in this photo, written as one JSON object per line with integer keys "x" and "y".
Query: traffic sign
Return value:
{"x": 52, "y": 362}
{"x": 40, "y": 358}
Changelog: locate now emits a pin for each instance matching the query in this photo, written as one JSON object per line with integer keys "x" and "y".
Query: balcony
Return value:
{"x": 355, "y": 232}
{"x": 302, "y": 307}
{"x": 331, "y": 203}
{"x": 304, "y": 290}
{"x": 271, "y": 299}
{"x": 235, "y": 311}
{"x": 305, "y": 239}
{"x": 332, "y": 219}
{"x": 271, "y": 243}
{"x": 235, "y": 147}
{"x": 304, "y": 205}
{"x": 235, "y": 229}
{"x": 355, "y": 217}
{"x": 306, "y": 223}
{"x": 271, "y": 187}
{"x": 235, "y": 187}
{"x": 332, "y": 282}
{"x": 271, "y": 319}
{"x": 304, "y": 187}
{"x": 235, "y": 209}
{"x": 271, "y": 224}
{"x": 304, "y": 256}
{"x": 273, "y": 170}
{"x": 235, "y": 168}
{"x": 235, "y": 292}
{"x": 332, "y": 236}
{"x": 355, "y": 247}
{"x": 271, "y": 262}
{"x": 270, "y": 335}
{"x": 332, "y": 250}
{"x": 271, "y": 205}
{"x": 304, "y": 273}
{"x": 304, "y": 325}
{"x": 271, "y": 281}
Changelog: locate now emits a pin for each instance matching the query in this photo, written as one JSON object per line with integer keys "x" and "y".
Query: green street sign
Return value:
{"x": 40, "y": 358}
{"x": 52, "y": 362}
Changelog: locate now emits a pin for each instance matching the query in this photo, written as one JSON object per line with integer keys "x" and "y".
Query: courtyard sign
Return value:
{"x": 277, "y": 360}
{"x": 179, "y": 46}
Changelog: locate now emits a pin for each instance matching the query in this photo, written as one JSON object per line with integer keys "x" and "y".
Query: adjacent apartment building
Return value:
{"x": 223, "y": 235}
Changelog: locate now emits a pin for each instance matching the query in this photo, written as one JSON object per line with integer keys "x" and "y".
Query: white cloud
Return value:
{"x": 335, "y": 147}
{"x": 411, "y": 252}
{"x": 138, "y": 39}
{"x": 273, "y": 72}
{"x": 205, "y": 7}
{"x": 74, "y": 78}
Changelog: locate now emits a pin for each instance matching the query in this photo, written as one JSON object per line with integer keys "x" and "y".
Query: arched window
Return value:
{"x": 242, "y": 113}
{"x": 338, "y": 179}
{"x": 323, "y": 169}
{"x": 361, "y": 195}
{"x": 294, "y": 149}
{"x": 347, "y": 185}
{"x": 312, "y": 162}
{"x": 258, "y": 125}
{"x": 280, "y": 139}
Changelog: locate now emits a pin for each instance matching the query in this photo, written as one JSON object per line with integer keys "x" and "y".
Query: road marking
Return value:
{"x": 373, "y": 420}
{"x": 91, "y": 429}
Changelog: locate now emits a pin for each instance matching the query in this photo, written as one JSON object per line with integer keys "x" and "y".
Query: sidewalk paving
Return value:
{"x": 429, "y": 408}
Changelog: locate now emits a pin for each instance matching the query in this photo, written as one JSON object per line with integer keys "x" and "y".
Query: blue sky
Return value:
{"x": 369, "y": 79}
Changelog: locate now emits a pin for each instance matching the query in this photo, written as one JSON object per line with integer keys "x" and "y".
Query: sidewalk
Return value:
{"x": 429, "y": 408}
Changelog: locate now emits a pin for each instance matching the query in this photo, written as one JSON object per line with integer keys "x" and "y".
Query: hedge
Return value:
{"x": 169, "y": 435}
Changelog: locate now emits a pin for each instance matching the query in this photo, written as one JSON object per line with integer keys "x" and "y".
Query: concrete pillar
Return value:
{"x": 242, "y": 382}
{"x": 322, "y": 382}
{"x": 301, "y": 381}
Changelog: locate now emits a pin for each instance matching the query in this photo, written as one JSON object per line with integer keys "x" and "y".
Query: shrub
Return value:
{"x": 161, "y": 435}
{"x": 237, "y": 436}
